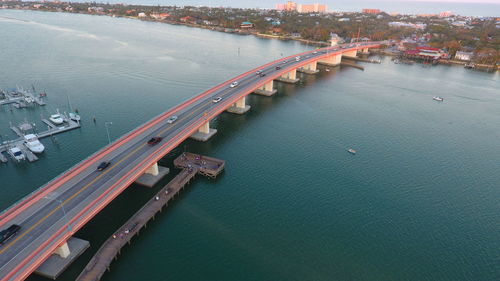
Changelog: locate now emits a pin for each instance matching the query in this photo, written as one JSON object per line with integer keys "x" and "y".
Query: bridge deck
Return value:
{"x": 191, "y": 164}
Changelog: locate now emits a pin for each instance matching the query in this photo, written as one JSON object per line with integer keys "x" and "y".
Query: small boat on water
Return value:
{"x": 56, "y": 119}
{"x": 438, "y": 98}
{"x": 16, "y": 153}
{"x": 32, "y": 143}
{"x": 352, "y": 151}
{"x": 74, "y": 116}
{"x": 327, "y": 70}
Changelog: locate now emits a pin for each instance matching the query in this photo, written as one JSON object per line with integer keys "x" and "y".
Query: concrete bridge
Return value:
{"x": 53, "y": 213}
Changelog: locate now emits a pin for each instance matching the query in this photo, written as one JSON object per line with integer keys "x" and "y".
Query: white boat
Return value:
{"x": 16, "y": 153}
{"x": 29, "y": 99}
{"x": 56, "y": 119}
{"x": 352, "y": 151}
{"x": 438, "y": 98}
{"x": 74, "y": 116}
{"x": 33, "y": 144}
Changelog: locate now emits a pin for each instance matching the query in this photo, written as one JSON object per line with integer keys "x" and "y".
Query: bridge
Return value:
{"x": 54, "y": 212}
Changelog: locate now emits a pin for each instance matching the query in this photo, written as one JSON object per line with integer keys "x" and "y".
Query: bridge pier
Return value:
{"x": 204, "y": 132}
{"x": 63, "y": 256}
{"x": 365, "y": 51}
{"x": 239, "y": 107}
{"x": 332, "y": 60}
{"x": 352, "y": 53}
{"x": 289, "y": 77}
{"x": 152, "y": 175}
{"x": 266, "y": 90}
{"x": 311, "y": 68}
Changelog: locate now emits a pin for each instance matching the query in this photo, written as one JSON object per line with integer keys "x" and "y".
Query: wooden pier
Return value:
{"x": 191, "y": 164}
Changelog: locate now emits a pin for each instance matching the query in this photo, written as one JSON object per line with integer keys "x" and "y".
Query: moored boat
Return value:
{"x": 438, "y": 98}
{"x": 16, "y": 153}
{"x": 32, "y": 143}
{"x": 56, "y": 119}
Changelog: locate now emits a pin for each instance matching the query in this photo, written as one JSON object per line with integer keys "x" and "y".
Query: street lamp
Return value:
{"x": 63, "y": 210}
{"x": 107, "y": 130}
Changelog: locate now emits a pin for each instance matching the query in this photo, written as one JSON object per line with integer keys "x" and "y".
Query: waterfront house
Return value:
{"x": 464, "y": 56}
{"x": 246, "y": 24}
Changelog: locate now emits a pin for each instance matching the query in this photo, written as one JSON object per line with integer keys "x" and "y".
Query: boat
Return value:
{"x": 327, "y": 70}
{"x": 16, "y": 153}
{"x": 352, "y": 151}
{"x": 56, "y": 119}
{"x": 438, "y": 98}
{"x": 74, "y": 116}
{"x": 32, "y": 143}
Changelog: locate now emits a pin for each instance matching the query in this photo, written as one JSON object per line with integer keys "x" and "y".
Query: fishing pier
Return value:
{"x": 191, "y": 165}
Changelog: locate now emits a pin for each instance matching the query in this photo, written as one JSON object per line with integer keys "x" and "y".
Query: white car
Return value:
{"x": 234, "y": 84}
{"x": 172, "y": 119}
{"x": 315, "y": 52}
{"x": 217, "y": 99}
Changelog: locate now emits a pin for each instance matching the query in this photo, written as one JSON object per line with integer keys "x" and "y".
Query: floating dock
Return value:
{"x": 191, "y": 164}
{"x": 52, "y": 130}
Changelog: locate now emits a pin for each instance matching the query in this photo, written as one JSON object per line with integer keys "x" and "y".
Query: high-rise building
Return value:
{"x": 302, "y": 8}
{"x": 371, "y": 11}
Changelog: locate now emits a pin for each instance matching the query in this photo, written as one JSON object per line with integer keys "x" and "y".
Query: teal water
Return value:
{"x": 418, "y": 202}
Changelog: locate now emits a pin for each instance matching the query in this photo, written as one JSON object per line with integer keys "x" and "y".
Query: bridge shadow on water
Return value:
{"x": 228, "y": 126}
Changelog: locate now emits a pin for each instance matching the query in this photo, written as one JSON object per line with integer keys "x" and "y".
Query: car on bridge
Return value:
{"x": 8, "y": 233}
{"x": 171, "y": 119}
{"x": 234, "y": 84}
{"x": 103, "y": 165}
{"x": 259, "y": 72}
{"x": 154, "y": 140}
{"x": 262, "y": 74}
{"x": 217, "y": 99}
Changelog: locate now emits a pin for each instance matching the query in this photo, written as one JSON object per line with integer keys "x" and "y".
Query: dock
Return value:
{"x": 344, "y": 63}
{"x": 51, "y": 130}
{"x": 191, "y": 165}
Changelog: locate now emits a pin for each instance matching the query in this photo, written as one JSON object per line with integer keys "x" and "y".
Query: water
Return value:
{"x": 419, "y": 201}
{"x": 466, "y": 8}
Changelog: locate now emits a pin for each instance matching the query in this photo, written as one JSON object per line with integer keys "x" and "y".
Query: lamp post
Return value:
{"x": 61, "y": 204}
{"x": 107, "y": 130}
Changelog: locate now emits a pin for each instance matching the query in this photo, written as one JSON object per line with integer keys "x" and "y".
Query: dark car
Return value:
{"x": 8, "y": 233}
{"x": 154, "y": 140}
{"x": 262, "y": 75}
{"x": 103, "y": 165}
{"x": 278, "y": 67}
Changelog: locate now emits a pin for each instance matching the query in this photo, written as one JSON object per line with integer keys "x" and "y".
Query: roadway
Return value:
{"x": 51, "y": 214}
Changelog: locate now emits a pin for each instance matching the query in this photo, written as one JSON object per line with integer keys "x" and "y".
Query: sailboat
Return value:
{"x": 73, "y": 115}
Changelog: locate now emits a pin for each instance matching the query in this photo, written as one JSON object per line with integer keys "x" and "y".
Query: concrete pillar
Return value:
{"x": 266, "y": 89}
{"x": 153, "y": 170}
{"x": 365, "y": 51}
{"x": 63, "y": 250}
{"x": 205, "y": 128}
{"x": 289, "y": 77}
{"x": 351, "y": 53}
{"x": 332, "y": 60}
{"x": 239, "y": 107}
{"x": 310, "y": 68}
{"x": 204, "y": 132}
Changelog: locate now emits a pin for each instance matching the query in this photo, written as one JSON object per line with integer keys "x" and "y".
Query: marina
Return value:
{"x": 21, "y": 98}
{"x": 27, "y": 132}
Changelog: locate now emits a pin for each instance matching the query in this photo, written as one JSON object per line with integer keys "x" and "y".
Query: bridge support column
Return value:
{"x": 311, "y": 68}
{"x": 289, "y": 77}
{"x": 332, "y": 60}
{"x": 266, "y": 90}
{"x": 63, "y": 250}
{"x": 204, "y": 132}
{"x": 365, "y": 51}
{"x": 153, "y": 170}
{"x": 351, "y": 53}
{"x": 239, "y": 107}
{"x": 152, "y": 175}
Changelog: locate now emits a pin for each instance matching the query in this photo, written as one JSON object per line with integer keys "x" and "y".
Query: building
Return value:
{"x": 445, "y": 14}
{"x": 311, "y": 8}
{"x": 142, "y": 15}
{"x": 302, "y": 8}
{"x": 371, "y": 11}
{"x": 160, "y": 16}
{"x": 426, "y": 53}
{"x": 464, "y": 56}
{"x": 246, "y": 24}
